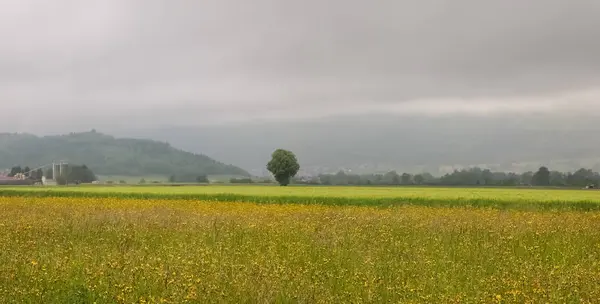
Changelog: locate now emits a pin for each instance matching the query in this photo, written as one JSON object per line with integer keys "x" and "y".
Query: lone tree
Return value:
{"x": 542, "y": 177}
{"x": 283, "y": 166}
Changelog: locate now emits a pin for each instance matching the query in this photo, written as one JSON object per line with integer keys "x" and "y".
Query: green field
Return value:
{"x": 362, "y": 192}
{"x": 484, "y": 197}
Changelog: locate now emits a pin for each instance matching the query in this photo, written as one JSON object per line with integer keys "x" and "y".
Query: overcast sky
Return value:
{"x": 189, "y": 61}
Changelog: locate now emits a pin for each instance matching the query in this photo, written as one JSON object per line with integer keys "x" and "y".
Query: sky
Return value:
{"x": 72, "y": 64}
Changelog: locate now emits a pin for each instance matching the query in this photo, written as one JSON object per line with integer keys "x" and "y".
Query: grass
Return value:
{"x": 523, "y": 199}
{"x": 120, "y": 250}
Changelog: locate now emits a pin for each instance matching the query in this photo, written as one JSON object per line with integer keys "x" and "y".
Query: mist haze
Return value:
{"x": 406, "y": 85}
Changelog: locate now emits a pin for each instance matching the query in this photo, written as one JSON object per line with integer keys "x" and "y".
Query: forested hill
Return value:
{"x": 108, "y": 155}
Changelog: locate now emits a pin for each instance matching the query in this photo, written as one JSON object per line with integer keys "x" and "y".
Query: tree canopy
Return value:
{"x": 541, "y": 177}
{"x": 283, "y": 165}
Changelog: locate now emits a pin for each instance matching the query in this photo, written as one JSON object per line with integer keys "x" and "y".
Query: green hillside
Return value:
{"x": 107, "y": 155}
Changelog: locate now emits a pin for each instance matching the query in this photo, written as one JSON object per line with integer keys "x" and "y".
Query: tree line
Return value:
{"x": 189, "y": 178}
{"x": 284, "y": 167}
{"x": 465, "y": 177}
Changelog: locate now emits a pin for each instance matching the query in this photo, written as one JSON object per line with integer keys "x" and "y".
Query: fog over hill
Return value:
{"x": 405, "y": 143}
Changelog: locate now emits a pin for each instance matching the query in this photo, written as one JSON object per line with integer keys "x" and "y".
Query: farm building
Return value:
{"x": 11, "y": 181}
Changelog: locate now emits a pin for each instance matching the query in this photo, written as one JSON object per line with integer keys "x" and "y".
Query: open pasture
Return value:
{"x": 118, "y": 250}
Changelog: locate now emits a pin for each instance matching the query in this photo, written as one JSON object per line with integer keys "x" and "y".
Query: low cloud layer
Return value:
{"x": 191, "y": 62}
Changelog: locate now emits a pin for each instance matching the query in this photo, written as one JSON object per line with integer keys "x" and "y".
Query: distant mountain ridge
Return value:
{"x": 107, "y": 155}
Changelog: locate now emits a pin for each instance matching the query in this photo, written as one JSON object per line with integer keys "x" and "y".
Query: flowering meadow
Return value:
{"x": 133, "y": 250}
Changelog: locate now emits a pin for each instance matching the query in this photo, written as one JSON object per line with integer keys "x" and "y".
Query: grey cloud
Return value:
{"x": 233, "y": 60}
{"x": 447, "y": 47}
